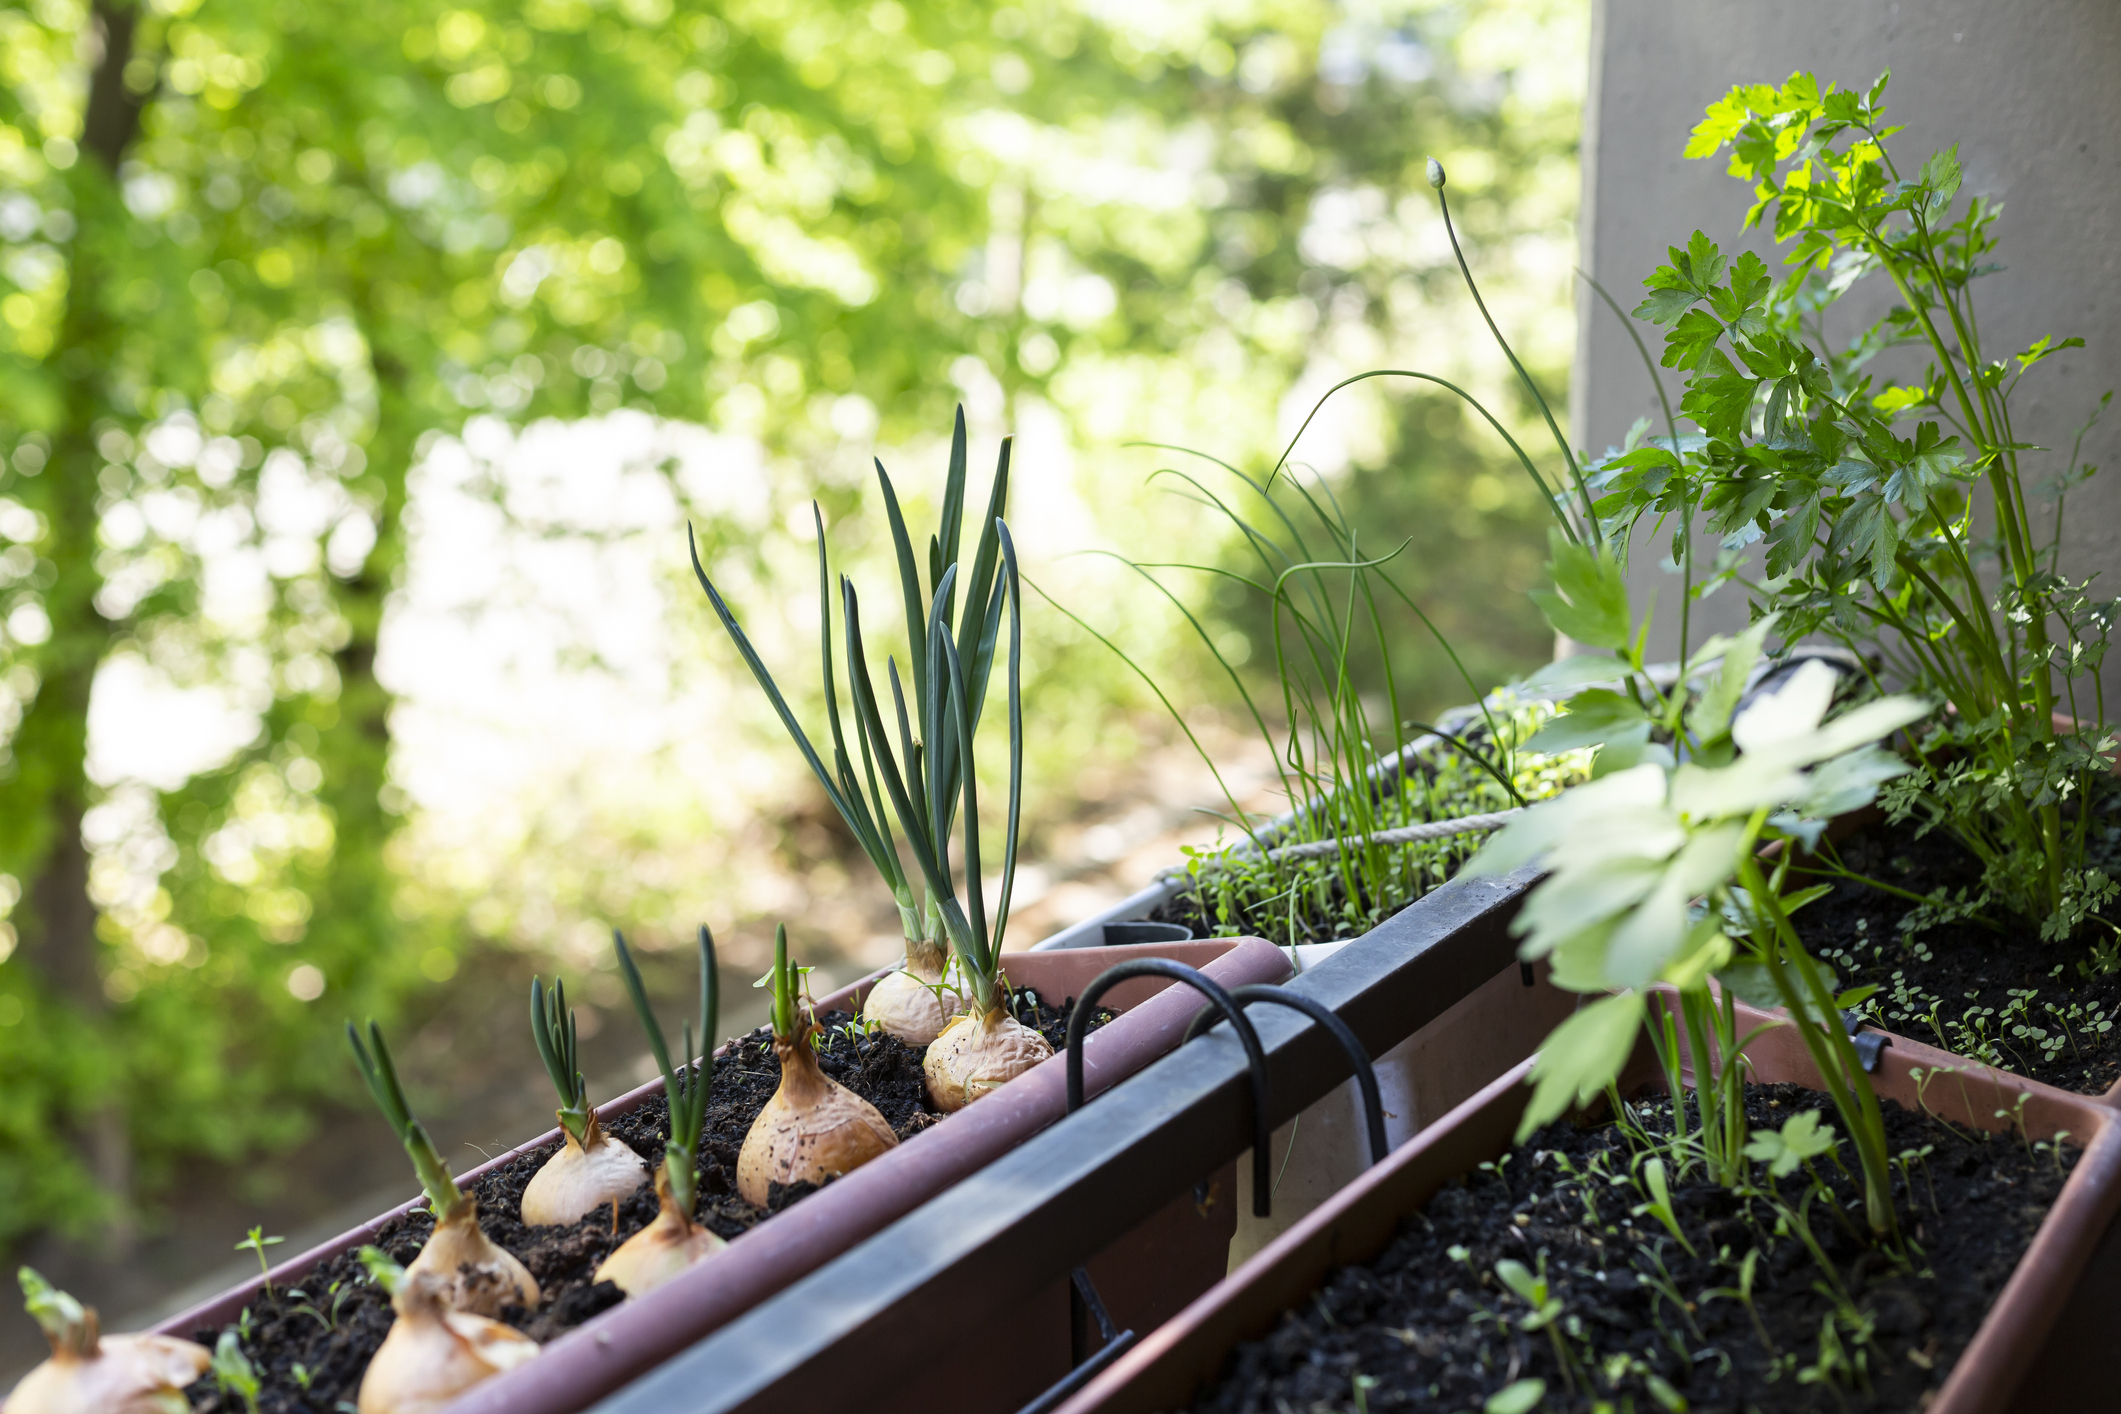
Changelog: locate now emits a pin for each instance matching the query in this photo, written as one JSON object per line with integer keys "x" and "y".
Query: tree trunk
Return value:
{"x": 51, "y": 747}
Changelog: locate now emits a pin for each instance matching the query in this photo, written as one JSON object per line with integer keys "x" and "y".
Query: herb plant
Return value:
{"x": 1918, "y": 544}
{"x": 1681, "y": 819}
{"x": 477, "y": 1274}
{"x": 592, "y": 1168}
{"x": 1348, "y": 770}
{"x": 913, "y": 1003}
{"x": 675, "y": 1240}
{"x": 814, "y": 1128}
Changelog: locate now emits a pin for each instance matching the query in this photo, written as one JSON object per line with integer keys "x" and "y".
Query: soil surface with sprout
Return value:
{"x": 311, "y": 1345}
{"x": 1997, "y": 995}
{"x": 1633, "y": 1317}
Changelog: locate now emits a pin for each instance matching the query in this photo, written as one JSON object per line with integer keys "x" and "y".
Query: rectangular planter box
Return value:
{"x": 621, "y": 1343}
{"x": 990, "y": 1257}
{"x": 1421, "y": 1078}
{"x": 2045, "y": 1344}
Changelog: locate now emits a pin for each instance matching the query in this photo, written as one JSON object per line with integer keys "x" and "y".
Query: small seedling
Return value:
{"x": 233, "y": 1371}
{"x": 257, "y": 1242}
{"x": 1521, "y": 1397}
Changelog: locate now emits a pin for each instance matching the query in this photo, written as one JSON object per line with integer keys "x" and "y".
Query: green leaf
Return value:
{"x": 1711, "y": 714}
{"x": 1594, "y": 717}
{"x": 1665, "y": 305}
{"x": 1518, "y": 1278}
{"x": 1692, "y": 339}
{"x": 1577, "y": 670}
{"x": 1581, "y": 1057}
{"x": 1519, "y": 1398}
{"x": 1941, "y": 176}
{"x": 1589, "y": 602}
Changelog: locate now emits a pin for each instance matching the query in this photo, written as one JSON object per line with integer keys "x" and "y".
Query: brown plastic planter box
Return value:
{"x": 2046, "y": 1343}
{"x": 1173, "y": 1263}
{"x": 991, "y": 1256}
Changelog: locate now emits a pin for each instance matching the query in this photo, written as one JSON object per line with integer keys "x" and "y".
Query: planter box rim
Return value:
{"x": 1982, "y": 1381}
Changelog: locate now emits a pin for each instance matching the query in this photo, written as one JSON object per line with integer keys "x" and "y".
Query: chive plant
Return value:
{"x": 89, "y": 1372}
{"x": 431, "y": 1353}
{"x": 675, "y": 1240}
{"x": 984, "y": 1047}
{"x": 477, "y": 1274}
{"x": 593, "y": 1168}
{"x": 915, "y": 1001}
{"x": 1347, "y": 771}
{"x": 814, "y": 1128}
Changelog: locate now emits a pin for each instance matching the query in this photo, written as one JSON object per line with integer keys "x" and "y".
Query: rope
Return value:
{"x": 1405, "y": 834}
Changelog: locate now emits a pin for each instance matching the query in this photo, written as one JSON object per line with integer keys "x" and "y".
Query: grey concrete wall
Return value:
{"x": 2031, "y": 92}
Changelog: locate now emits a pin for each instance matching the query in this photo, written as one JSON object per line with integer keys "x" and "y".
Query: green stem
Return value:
{"x": 1828, "y": 1044}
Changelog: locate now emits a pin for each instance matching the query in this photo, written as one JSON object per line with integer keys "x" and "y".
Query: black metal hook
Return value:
{"x": 1255, "y": 1056}
{"x": 1365, "y": 1074}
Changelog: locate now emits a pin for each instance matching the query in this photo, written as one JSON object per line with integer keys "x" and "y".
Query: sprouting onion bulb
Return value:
{"x": 985, "y": 1047}
{"x": 477, "y": 1274}
{"x": 92, "y": 1373}
{"x": 814, "y": 1128}
{"x": 593, "y": 1168}
{"x": 674, "y": 1241}
{"x": 433, "y": 1353}
{"x": 914, "y": 1002}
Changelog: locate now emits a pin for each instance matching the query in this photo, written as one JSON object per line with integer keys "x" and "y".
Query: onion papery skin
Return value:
{"x": 124, "y": 1374}
{"x": 906, "y": 1008}
{"x": 494, "y": 1277}
{"x": 976, "y": 1054}
{"x": 433, "y": 1354}
{"x": 814, "y": 1128}
{"x": 580, "y": 1179}
{"x": 670, "y": 1245}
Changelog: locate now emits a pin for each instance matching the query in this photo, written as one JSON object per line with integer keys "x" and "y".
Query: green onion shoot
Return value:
{"x": 674, "y": 1241}
{"x": 916, "y": 1000}
{"x": 814, "y": 1128}
{"x": 593, "y": 1169}
{"x": 477, "y": 1274}
{"x": 985, "y": 1047}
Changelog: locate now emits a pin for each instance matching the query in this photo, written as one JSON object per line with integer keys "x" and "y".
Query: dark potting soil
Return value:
{"x": 2005, "y": 998}
{"x": 1430, "y": 1323}
{"x": 311, "y": 1345}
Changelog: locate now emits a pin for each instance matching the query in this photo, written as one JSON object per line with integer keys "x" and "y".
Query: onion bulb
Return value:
{"x": 915, "y": 1002}
{"x": 661, "y": 1250}
{"x": 976, "y": 1054}
{"x": 814, "y": 1128}
{"x": 582, "y": 1178}
{"x": 477, "y": 1274}
{"x": 433, "y": 1352}
{"x": 592, "y": 1169}
{"x": 92, "y": 1373}
{"x": 673, "y": 1242}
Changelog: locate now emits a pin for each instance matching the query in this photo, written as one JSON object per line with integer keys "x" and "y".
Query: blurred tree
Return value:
{"x": 255, "y": 256}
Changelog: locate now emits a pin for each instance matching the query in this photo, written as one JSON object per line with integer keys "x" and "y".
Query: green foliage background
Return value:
{"x": 255, "y": 247}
